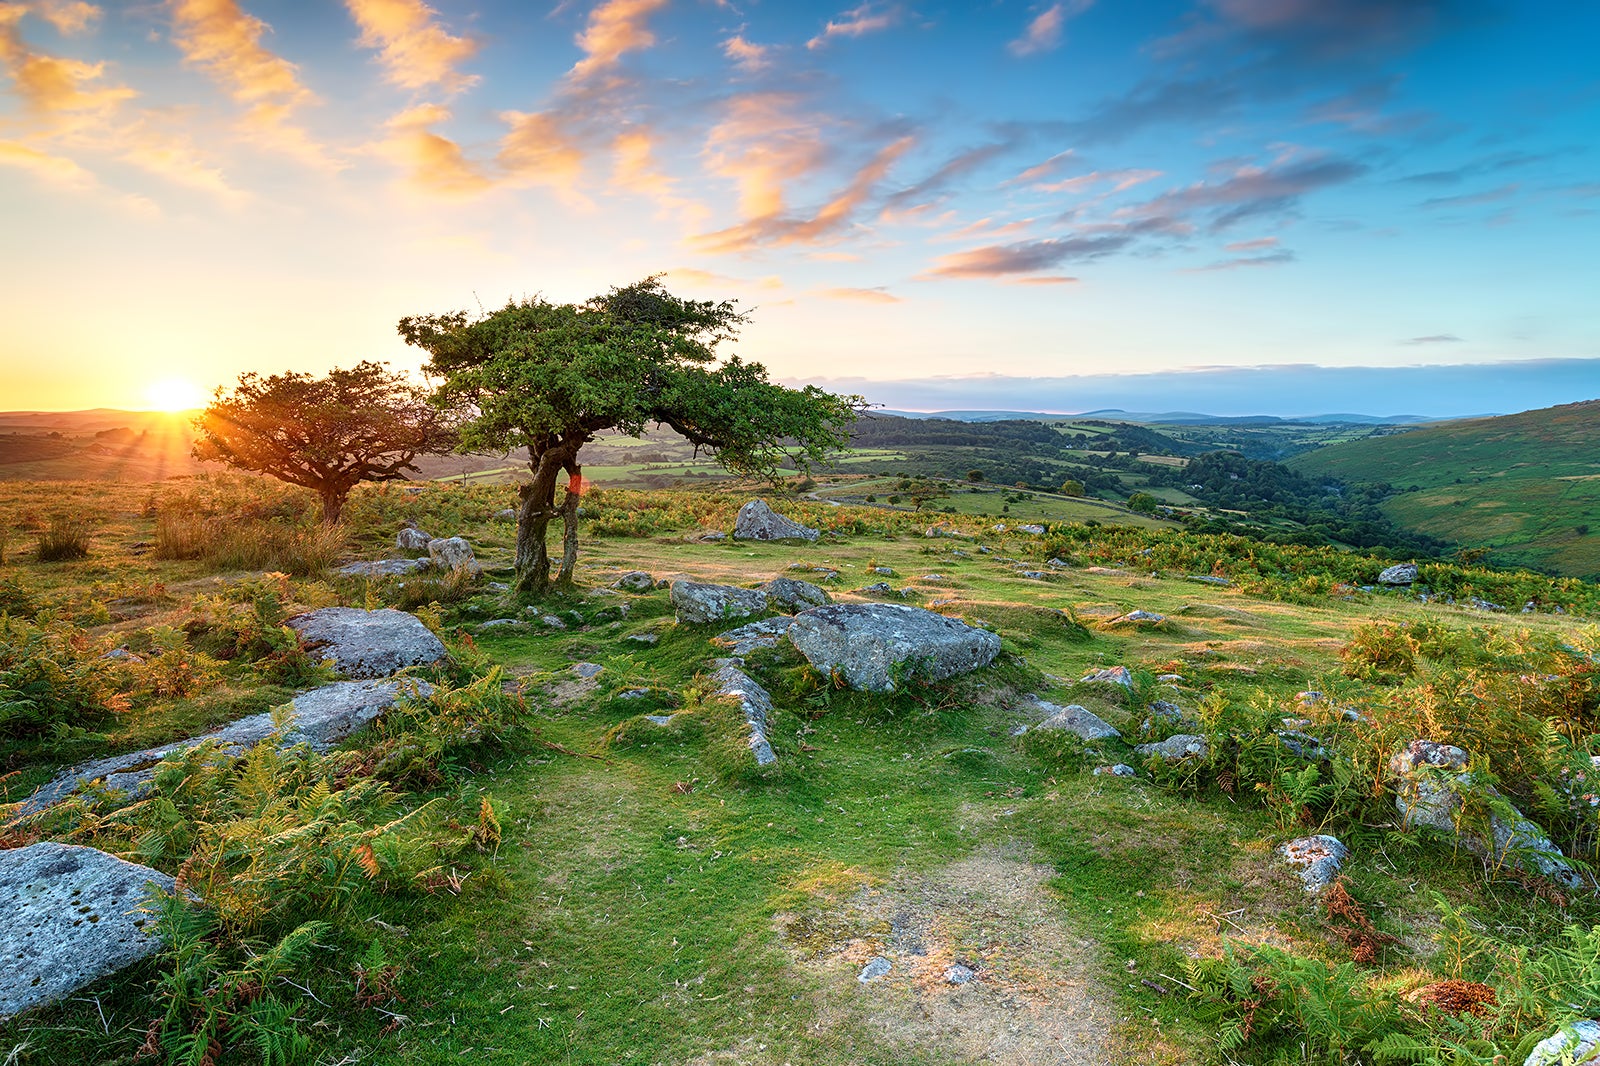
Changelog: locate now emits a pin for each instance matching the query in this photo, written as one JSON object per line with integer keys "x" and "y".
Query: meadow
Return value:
{"x": 525, "y": 868}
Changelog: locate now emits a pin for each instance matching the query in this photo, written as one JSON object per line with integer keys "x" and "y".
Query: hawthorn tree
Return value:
{"x": 325, "y": 434}
{"x": 547, "y": 377}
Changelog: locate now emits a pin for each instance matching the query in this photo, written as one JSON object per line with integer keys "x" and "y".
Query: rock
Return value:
{"x": 747, "y": 638}
{"x": 998, "y": 527}
{"x": 508, "y": 514}
{"x": 1033, "y": 575}
{"x": 1401, "y": 574}
{"x": 644, "y": 638}
{"x": 587, "y": 670}
{"x": 1059, "y": 564}
{"x": 785, "y": 593}
{"x": 1209, "y": 579}
{"x": 1114, "y": 675}
{"x": 1139, "y": 617}
{"x": 945, "y": 529}
{"x": 877, "y": 588}
{"x": 707, "y": 536}
{"x": 874, "y": 646}
{"x": 368, "y": 644}
{"x": 633, "y": 694}
{"x": 412, "y": 539}
{"x": 1120, "y": 769}
{"x": 933, "y": 579}
{"x": 1170, "y": 679}
{"x": 500, "y": 623}
{"x": 550, "y": 621}
{"x": 382, "y": 568}
{"x": 451, "y": 554}
{"x": 123, "y": 654}
{"x": 958, "y": 973}
{"x": 757, "y": 521}
{"x": 756, "y": 704}
{"x": 1319, "y": 858}
{"x": 1036, "y": 530}
{"x": 1075, "y": 719}
{"x": 1303, "y": 745}
{"x": 702, "y": 604}
{"x": 886, "y": 571}
{"x": 1107, "y": 570}
{"x": 72, "y": 916}
{"x": 635, "y": 581}
{"x": 1577, "y": 1044}
{"x": 1179, "y": 746}
{"x": 659, "y": 719}
{"x": 322, "y": 718}
{"x": 1432, "y": 785}
{"x": 876, "y": 967}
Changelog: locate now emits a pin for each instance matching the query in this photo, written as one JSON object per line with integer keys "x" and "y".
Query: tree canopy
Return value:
{"x": 547, "y": 377}
{"x": 326, "y": 434}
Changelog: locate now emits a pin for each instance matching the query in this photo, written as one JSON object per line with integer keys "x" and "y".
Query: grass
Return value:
{"x": 661, "y": 903}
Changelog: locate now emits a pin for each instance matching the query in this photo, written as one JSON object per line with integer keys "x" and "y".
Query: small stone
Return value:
{"x": 1147, "y": 617}
{"x": 411, "y": 539}
{"x": 1170, "y": 679}
{"x": 1114, "y": 675}
{"x": 633, "y": 694}
{"x": 1075, "y": 719}
{"x": 587, "y": 670}
{"x": 1035, "y": 530}
{"x": 643, "y": 638}
{"x": 1319, "y": 858}
{"x": 959, "y": 974}
{"x": 1120, "y": 769}
{"x": 1179, "y": 746}
{"x": 659, "y": 719}
{"x": 452, "y": 554}
{"x": 786, "y": 593}
{"x": 635, "y": 581}
{"x": 876, "y": 967}
{"x": 506, "y": 514}
{"x": 499, "y": 623}
{"x": 1033, "y": 575}
{"x": 550, "y": 621}
{"x": 1210, "y": 579}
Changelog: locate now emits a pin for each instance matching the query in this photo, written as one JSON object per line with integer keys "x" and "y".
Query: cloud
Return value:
{"x": 875, "y": 295}
{"x": 1277, "y": 258}
{"x": 868, "y": 18}
{"x": 434, "y": 163}
{"x": 615, "y": 28}
{"x": 828, "y": 221}
{"x": 761, "y": 144}
{"x": 750, "y": 58}
{"x": 1255, "y": 245}
{"x": 539, "y": 149}
{"x": 948, "y": 173}
{"x": 417, "y": 51}
{"x": 1437, "y": 338}
{"x": 1044, "y": 279}
{"x": 1119, "y": 180}
{"x": 1039, "y": 171}
{"x": 1025, "y": 257}
{"x": 58, "y": 170}
{"x": 61, "y": 92}
{"x": 68, "y": 16}
{"x": 1478, "y": 167}
{"x": 1044, "y": 31}
{"x": 635, "y": 169}
{"x": 1488, "y": 196}
{"x": 1252, "y": 191}
{"x": 695, "y": 276}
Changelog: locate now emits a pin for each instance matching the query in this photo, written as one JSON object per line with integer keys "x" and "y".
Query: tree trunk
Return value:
{"x": 332, "y": 505}
{"x": 538, "y": 507}
{"x": 569, "y": 520}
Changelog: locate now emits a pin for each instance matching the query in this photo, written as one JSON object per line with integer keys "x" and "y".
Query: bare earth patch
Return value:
{"x": 1032, "y": 998}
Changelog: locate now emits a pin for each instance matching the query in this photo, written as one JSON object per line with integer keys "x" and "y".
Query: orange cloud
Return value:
{"x": 417, "y": 51}
{"x": 58, "y": 170}
{"x": 540, "y": 150}
{"x": 1044, "y": 31}
{"x": 695, "y": 276}
{"x": 856, "y": 22}
{"x": 634, "y": 169}
{"x": 52, "y": 86}
{"x": 761, "y": 145}
{"x": 615, "y": 28}
{"x": 435, "y": 163}
{"x": 876, "y": 295}
{"x": 1118, "y": 179}
{"x": 69, "y": 17}
{"x": 750, "y": 58}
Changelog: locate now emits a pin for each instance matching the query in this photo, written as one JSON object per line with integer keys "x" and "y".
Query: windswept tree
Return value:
{"x": 325, "y": 434}
{"x": 547, "y": 377}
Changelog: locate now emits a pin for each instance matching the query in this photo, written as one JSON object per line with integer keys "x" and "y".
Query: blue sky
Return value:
{"x": 1035, "y": 194}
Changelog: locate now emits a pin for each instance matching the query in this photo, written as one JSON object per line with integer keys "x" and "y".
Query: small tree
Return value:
{"x": 1142, "y": 503}
{"x": 325, "y": 434}
{"x": 1072, "y": 487}
{"x": 548, "y": 377}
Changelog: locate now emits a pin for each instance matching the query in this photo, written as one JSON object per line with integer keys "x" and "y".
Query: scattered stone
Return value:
{"x": 368, "y": 644}
{"x": 382, "y": 568}
{"x": 643, "y": 638}
{"x": 1577, "y": 1044}
{"x": 945, "y": 529}
{"x": 1034, "y": 575}
{"x": 785, "y": 593}
{"x": 1059, "y": 564}
{"x": 958, "y": 973}
{"x": 1319, "y": 858}
{"x": 1478, "y": 603}
{"x": 876, "y": 645}
{"x": 757, "y": 521}
{"x": 452, "y": 554}
{"x": 1401, "y": 574}
{"x": 1120, "y": 769}
{"x": 707, "y": 536}
{"x": 659, "y": 719}
{"x": 1309, "y": 698}
{"x": 1108, "y": 570}
{"x": 501, "y": 623}
{"x": 633, "y": 694}
{"x": 703, "y": 604}
{"x": 748, "y": 638}
{"x": 1209, "y": 579}
{"x": 884, "y": 570}
{"x": 550, "y": 621}
{"x": 877, "y": 588}
{"x": 1114, "y": 675}
{"x": 1303, "y": 745}
{"x": 1035, "y": 530}
{"x": 1170, "y": 679}
{"x": 1138, "y": 618}
{"x": 756, "y": 704}
{"x": 73, "y": 915}
{"x": 635, "y": 581}
{"x": 508, "y": 514}
{"x": 998, "y": 527}
{"x": 984, "y": 549}
{"x": 412, "y": 539}
{"x": 934, "y": 579}
{"x": 1178, "y": 746}
{"x": 123, "y": 654}
{"x": 587, "y": 670}
{"x": 1075, "y": 719}
{"x": 876, "y": 967}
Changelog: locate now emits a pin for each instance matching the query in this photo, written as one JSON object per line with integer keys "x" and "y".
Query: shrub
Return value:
{"x": 63, "y": 540}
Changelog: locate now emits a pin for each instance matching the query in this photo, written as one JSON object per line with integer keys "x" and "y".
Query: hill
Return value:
{"x": 1525, "y": 486}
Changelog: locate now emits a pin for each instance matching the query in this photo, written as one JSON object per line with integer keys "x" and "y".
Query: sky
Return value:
{"x": 937, "y": 205}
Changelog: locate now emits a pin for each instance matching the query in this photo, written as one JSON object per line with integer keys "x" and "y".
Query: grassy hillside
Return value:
{"x": 1526, "y": 486}
{"x": 596, "y": 888}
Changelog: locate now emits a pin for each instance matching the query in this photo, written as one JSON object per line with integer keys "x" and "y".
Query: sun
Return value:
{"x": 174, "y": 394}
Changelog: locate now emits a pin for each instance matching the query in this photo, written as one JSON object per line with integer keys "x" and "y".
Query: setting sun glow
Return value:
{"x": 174, "y": 394}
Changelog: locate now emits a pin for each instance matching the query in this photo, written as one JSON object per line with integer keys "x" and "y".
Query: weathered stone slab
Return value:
{"x": 1111, "y": 675}
{"x": 788, "y": 594}
{"x": 411, "y": 539}
{"x": 702, "y": 604}
{"x": 1178, "y": 746}
{"x": 72, "y": 917}
{"x": 757, "y": 521}
{"x": 1401, "y": 574}
{"x": 756, "y": 704}
{"x": 1318, "y": 857}
{"x": 452, "y": 553}
{"x": 874, "y": 645}
{"x": 382, "y": 567}
{"x": 1075, "y": 719}
{"x": 748, "y": 638}
{"x": 635, "y": 581}
{"x": 368, "y": 644}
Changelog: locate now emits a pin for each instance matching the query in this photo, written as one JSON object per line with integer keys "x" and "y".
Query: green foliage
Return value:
{"x": 65, "y": 539}
{"x": 52, "y": 680}
{"x": 1142, "y": 503}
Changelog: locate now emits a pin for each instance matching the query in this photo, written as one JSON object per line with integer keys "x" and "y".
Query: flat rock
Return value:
{"x": 368, "y": 644}
{"x": 748, "y": 638}
{"x": 322, "y": 718}
{"x": 382, "y": 567}
{"x": 1318, "y": 857}
{"x": 703, "y": 604}
{"x": 643, "y": 638}
{"x": 411, "y": 539}
{"x": 875, "y": 645}
{"x": 1031, "y": 528}
{"x": 1577, "y": 1044}
{"x": 1138, "y": 618}
{"x": 1120, "y": 769}
{"x": 876, "y": 967}
{"x": 756, "y": 704}
{"x": 72, "y": 917}
{"x": 1075, "y": 719}
{"x": 635, "y": 581}
{"x": 1178, "y": 746}
{"x": 1210, "y": 579}
{"x": 958, "y": 973}
{"x": 1401, "y": 574}
{"x": 451, "y": 553}
{"x": 758, "y": 521}
{"x": 1111, "y": 675}
{"x": 788, "y": 594}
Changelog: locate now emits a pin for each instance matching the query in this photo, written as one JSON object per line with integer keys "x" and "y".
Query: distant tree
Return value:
{"x": 1142, "y": 503}
{"x": 974, "y": 475}
{"x": 1072, "y": 487}
{"x": 325, "y": 434}
{"x": 548, "y": 377}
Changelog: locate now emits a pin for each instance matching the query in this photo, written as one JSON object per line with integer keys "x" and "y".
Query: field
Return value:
{"x": 646, "y": 895}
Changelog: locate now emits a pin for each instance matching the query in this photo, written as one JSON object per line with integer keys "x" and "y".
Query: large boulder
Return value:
{"x": 1433, "y": 788}
{"x": 451, "y": 554}
{"x": 1401, "y": 574}
{"x": 73, "y": 915}
{"x": 755, "y": 703}
{"x": 757, "y": 521}
{"x": 322, "y": 718}
{"x": 787, "y": 594}
{"x": 368, "y": 644}
{"x": 411, "y": 539}
{"x": 875, "y": 646}
{"x": 701, "y": 604}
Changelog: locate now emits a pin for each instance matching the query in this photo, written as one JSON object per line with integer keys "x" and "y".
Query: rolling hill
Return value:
{"x": 1525, "y": 486}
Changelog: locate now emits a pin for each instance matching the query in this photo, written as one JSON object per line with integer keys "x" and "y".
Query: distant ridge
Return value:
{"x": 1177, "y": 418}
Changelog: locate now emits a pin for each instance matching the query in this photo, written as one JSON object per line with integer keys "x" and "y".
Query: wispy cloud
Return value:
{"x": 1251, "y": 191}
{"x": 1119, "y": 180}
{"x": 1256, "y": 245}
{"x": 539, "y": 149}
{"x": 416, "y": 51}
{"x": 868, "y": 18}
{"x": 750, "y": 57}
{"x": 1277, "y": 258}
{"x": 434, "y": 163}
{"x": 1025, "y": 257}
{"x": 946, "y": 175}
{"x": 635, "y": 169}
{"x": 1488, "y": 196}
{"x": 696, "y": 276}
{"x": 1044, "y": 30}
{"x": 1436, "y": 338}
{"x": 878, "y": 294}
{"x": 615, "y": 28}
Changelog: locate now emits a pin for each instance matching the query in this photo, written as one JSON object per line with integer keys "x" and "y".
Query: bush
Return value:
{"x": 300, "y": 548}
{"x": 63, "y": 540}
